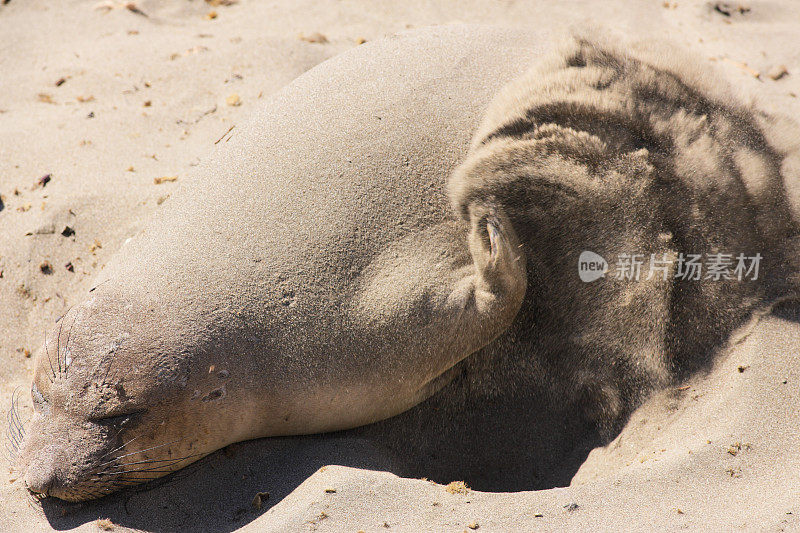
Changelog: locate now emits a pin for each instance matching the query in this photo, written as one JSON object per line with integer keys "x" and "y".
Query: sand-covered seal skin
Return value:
{"x": 310, "y": 277}
{"x": 632, "y": 149}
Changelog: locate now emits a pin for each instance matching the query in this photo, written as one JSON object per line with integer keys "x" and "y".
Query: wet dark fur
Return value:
{"x": 615, "y": 154}
{"x": 601, "y": 149}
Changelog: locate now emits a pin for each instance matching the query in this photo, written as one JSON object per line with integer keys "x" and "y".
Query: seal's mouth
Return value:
{"x": 115, "y": 471}
{"x": 87, "y": 491}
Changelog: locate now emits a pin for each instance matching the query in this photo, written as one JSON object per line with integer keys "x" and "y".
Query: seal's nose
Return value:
{"x": 40, "y": 476}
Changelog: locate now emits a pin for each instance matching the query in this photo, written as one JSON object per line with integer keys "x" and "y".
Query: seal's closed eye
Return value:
{"x": 115, "y": 419}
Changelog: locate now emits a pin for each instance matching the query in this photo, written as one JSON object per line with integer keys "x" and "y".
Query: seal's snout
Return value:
{"x": 40, "y": 476}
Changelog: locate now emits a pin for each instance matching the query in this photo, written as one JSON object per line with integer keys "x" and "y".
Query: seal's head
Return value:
{"x": 108, "y": 414}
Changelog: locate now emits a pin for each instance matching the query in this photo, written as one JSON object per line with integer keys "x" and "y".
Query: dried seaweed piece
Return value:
{"x": 777, "y": 72}
{"x": 132, "y": 7}
{"x": 315, "y": 37}
{"x": 259, "y": 498}
{"x": 43, "y": 181}
{"x": 457, "y": 487}
{"x": 105, "y": 524}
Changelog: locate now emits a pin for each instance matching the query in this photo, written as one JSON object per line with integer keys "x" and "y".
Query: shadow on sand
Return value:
{"x": 492, "y": 445}
{"x": 216, "y": 494}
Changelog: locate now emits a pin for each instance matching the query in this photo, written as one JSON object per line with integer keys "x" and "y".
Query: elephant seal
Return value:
{"x": 311, "y": 278}
{"x": 324, "y": 273}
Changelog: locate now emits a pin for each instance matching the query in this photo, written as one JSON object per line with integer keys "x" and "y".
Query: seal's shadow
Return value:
{"x": 217, "y": 493}
{"x": 493, "y": 446}
{"x": 522, "y": 441}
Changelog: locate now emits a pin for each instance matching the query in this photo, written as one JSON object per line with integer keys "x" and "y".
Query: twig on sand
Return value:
{"x": 224, "y": 134}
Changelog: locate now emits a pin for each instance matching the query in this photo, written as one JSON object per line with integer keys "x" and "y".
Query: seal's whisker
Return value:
{"x": 69, "y": 338}
{"x": 110, "y": 481}
{"x": 110, "y": 364}
{"x": 101, "y": 486}
{"x": 146, "y": 476}
{"x": 10, "y": 456}
{"x": 58, "y": 345}
{"x": 12, "y": 437}
{"x": 15, "y": 412}
{"x": 94, "y": 492}
{"x": 15, "y": 439}
{"x": 104, "y": 488}
{"x": 138, "y": 484}
{"x": 145, "y": 470}
{"x": 154, "y": 468}
{"x": 90, "y": 492}
{"x": 121, "y": 484}
{"x": 141, "y": 475}
{"x": 82, "y": 493}
{"x": 34, "y": 501}
{"x": 140, "y": 480}
{"x": 15, "y": 431}
{"x": 50, "y": 361}
{"x": 155, "y": 461}
{"x": 142, "y": 451}
{"x": 12, "y": 431}
{"x": 168, "y": 462}
{"x": 119, "y": 447}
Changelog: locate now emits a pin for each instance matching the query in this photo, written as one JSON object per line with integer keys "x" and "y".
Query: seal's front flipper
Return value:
{"x": 499, "y": 281}
{"x": 436, "y": 296}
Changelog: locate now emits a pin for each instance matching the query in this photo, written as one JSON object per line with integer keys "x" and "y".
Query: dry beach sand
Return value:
{"x": 116, "y": 102}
